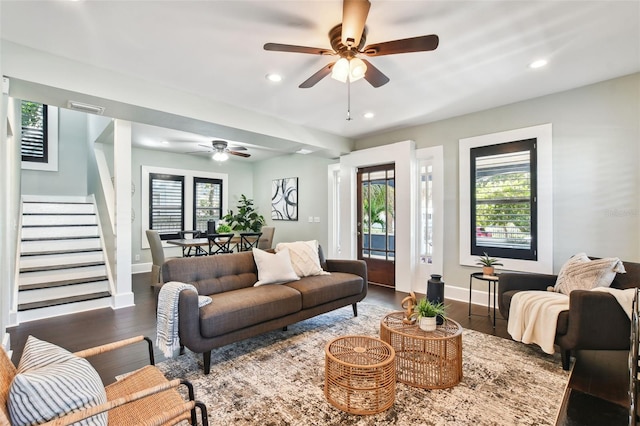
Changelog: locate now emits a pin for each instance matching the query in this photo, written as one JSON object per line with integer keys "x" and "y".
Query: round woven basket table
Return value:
{"x": 360, "y": 375}
{"x": 424, "y": 359}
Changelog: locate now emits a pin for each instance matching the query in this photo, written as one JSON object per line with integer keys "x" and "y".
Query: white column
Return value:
{"x": 10, "y": 208}
{"x": 122, "y": 185}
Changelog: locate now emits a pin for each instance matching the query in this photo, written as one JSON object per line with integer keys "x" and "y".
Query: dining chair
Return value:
{"x": 248, "y": 240}
{"x": 220, "y": 243}
{"x": 157, "y": 256}
{"x": 266, "y": 241}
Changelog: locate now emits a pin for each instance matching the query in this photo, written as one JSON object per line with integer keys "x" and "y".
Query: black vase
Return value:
{"x": 435, "y": 292}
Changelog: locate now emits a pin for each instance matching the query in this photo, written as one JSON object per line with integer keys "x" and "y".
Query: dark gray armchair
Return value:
{"x": 594, "y": 320}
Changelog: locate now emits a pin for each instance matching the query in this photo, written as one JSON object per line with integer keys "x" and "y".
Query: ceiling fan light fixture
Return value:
{"x": 340, "y": 70}
{"x": 357, "y": 69}
{"x": 220, "y": 156}
{"x": 353, "y": 69}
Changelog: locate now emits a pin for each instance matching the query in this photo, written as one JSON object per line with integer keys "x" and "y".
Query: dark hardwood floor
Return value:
{"x": 597, "y": 374}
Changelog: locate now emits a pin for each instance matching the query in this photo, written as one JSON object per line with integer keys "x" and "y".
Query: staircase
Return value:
{"x": 62, "y": 266}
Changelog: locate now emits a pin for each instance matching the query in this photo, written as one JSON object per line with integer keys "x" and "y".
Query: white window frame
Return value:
{"x": 188, "y": 197}
{"x": 52, "y": 144}
{"x": 543, "y": 134}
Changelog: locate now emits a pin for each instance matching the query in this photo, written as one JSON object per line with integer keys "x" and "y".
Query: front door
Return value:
{"x": 376, "y": 222}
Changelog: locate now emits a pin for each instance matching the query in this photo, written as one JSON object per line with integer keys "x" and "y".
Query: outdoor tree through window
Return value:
{"x": 34, "y": 146}
{"x": 503, "y": 200}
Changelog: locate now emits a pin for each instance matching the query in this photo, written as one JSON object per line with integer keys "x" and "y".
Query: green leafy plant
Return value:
{"x": 426, "y": 308}
{"x": 223, "y": 228}
{"x": 488, "y": 261}
{"x": 246, "y": 217}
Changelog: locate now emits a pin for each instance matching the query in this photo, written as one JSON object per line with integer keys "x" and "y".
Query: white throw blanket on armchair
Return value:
{"x": 533, "y": 315}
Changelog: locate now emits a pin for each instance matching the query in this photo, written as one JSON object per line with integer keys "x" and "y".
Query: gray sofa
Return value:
{"x": 239, "y": 310}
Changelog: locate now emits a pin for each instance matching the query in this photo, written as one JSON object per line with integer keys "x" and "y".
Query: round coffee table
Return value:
{"x": 360, "y": 375}
{"x": 424, "y": 359}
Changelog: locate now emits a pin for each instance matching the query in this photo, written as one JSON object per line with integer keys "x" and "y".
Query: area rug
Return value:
{"x": 278, "y": 379}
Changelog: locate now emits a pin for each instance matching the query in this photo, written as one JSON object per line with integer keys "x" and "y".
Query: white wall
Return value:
{"x": 596, "y": 177}
{"x": 312, "y": 196}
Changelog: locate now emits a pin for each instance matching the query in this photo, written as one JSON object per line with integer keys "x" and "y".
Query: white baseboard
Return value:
{"x": 141, "y": 268}
{"x": 123, "y": 300}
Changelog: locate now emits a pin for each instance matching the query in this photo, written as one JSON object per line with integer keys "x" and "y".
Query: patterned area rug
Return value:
{"x": 278, "y": 379}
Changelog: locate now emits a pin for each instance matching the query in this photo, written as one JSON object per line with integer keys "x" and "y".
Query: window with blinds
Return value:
{"x": 166, "y": 210}
{"x": 34, "y": 146}
{"x": 207, "y": 199}
{"x": 503, "y": 200}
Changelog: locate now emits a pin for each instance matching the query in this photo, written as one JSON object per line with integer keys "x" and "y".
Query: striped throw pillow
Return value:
{"x": 51, "y": 382}
{"x": 582, "y": 273}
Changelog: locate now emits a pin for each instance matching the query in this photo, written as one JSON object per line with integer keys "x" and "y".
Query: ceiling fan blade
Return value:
{"x": 354, "y": 17}
{"x": 311, "y": 81}
{"x": 205, "y": 146}
{"x": 374, "y": 76}
{"x": 406, "y": 45}
{"x": 239, "y": 154}
{"x": 276, "y": 47}
{"x": 237, "y": 148}
{"x": 198, "y": 152}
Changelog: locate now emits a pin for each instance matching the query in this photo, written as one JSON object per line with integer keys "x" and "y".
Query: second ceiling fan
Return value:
{"x": 348, "y": 42}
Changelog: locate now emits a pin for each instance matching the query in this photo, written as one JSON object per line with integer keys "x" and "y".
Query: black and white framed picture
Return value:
{"x": 284, "y": 199}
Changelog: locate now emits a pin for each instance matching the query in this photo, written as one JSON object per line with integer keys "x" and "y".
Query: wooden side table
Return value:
{"x": 360, "y": 375}
{"x": 424, "y": 359}
{"x": 493, "y": 281}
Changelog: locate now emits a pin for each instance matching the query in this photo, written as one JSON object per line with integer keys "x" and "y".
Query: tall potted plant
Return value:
{"x": 246, "y": 217}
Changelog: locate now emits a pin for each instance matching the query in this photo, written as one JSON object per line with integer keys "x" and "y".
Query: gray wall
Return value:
{"x": 71, "y": 177}
{"x": 596, "y": 157}
{"x": 312, "y": 196}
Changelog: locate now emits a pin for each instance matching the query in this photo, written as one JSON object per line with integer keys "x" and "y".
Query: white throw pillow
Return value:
{"x": 304, "y": 257}
{"x": 273, "y": 268}
{"x": 50, "y": 382}
{"x": 582, "y": 273}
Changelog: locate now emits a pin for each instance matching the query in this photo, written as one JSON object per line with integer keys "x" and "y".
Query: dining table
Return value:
{"x": 200, "y": 246}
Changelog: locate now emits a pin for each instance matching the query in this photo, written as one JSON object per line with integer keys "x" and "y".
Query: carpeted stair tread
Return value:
{"x": 69, "y": 251}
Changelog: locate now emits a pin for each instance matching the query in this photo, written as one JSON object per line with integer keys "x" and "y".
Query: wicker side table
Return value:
{"x": 360, "y": 375}
{"x": 424, "y": 359}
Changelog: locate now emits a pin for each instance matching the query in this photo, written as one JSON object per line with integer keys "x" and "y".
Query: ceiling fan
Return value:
{"x": 221, "y": 150}
{"x": 348, "y": 42}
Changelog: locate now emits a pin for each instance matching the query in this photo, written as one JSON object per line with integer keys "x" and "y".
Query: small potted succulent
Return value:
{"x": 428, "y": 312}
{"x": 487, "y": 262}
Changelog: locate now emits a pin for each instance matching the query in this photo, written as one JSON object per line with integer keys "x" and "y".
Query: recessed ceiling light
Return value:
{"x": 274, "y": 77}
{"x": 304, "y": 151}
{"x": 369, "y": 115}
{"x": 538, "y": 64}
{"x": 165, "y": 142}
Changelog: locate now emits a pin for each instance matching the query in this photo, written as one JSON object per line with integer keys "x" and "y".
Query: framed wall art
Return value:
{"x": 284, "y": 199}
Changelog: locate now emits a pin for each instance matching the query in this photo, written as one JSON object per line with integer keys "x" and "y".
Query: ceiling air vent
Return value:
{"x": 81, "y": 106}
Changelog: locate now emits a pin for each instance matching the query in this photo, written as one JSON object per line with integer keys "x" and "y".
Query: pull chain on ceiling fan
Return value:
{"x": 348, "y": 41}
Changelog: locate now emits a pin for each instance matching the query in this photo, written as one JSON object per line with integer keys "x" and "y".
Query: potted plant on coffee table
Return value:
{"x": 428, "y": 312}
{"x": 487, "y": 262}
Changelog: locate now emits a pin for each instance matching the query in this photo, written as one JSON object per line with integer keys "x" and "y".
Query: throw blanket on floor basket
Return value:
{"x": 533, "y": 315}
{"x": 167, "y": 338}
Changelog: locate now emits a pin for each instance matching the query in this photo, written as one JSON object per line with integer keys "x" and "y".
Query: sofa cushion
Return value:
{"x": 304, "y": 257}
{"x": 237, "y": 309}
{"x": 273, "y": 268}
{"x": 213, "y": 274}
{"x": 50, "y": 382}
{"x": 582, "y": 273}
{"x": 317, "y": 290}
